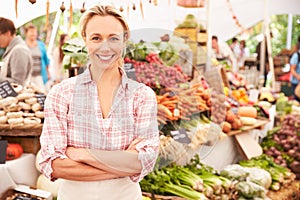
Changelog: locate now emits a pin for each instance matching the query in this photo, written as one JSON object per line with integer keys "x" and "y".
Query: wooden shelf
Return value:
{"x": 259, "y": 125}
{"x": 22, "y": 130}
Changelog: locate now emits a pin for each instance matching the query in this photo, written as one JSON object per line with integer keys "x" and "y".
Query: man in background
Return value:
{"x": 221, "y": 51}
{"x": 17, "y": 63}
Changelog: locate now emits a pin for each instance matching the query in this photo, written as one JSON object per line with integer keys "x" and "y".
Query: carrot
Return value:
{"x": 16, "y": 8}
{"x": 169, "y": 102}
{"x": 160, "y": 120}
{"x": 185, "y": 118}
{"x": 165, "y": 109}
{"x": 197, "y": 85}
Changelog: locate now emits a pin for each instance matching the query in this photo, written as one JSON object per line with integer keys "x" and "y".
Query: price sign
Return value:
{"x": 181, "y": 136}
{"x": 7, "y": 90}
{"x": 130, "y": 71}
{"x": 41, "y": 99}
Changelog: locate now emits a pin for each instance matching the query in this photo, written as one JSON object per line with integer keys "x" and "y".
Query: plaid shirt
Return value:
{"x": 73, "y": 118}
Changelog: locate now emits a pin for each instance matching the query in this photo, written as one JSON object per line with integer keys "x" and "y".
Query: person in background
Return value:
{"x": 100, "y": 134}
{"x": 244, "y": 53}
{"x": 58, "y": 57}
{"x": 295, "y": 69}
{"x": 40, "y": 71}
{"x": 17, "y": 62}
{"x": 221, "y": 51}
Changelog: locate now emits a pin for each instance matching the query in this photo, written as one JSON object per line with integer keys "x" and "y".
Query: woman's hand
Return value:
{"x": 132, "y": 146}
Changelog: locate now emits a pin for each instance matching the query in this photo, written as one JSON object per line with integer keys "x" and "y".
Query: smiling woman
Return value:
{"x": 100, "y": 130}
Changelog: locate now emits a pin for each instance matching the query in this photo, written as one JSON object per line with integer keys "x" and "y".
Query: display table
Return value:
{"x": 18, "y": 171}
{"x": 226, "y": 152}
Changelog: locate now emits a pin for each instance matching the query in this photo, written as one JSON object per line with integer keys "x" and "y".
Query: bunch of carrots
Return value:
{"x": 183, "y": 104}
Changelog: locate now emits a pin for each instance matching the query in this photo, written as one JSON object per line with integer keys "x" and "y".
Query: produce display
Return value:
{"x": 251, "y": 179}
{"x": 283, "y": 142}
{"x": 25, "y": 109}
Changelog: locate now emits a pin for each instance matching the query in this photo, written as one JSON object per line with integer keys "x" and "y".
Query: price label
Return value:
{"x": 181, "y": 136}
{"x": 7, "y": 90}
{"x": 41, "y": 99}
{"x": 130, "y": 71}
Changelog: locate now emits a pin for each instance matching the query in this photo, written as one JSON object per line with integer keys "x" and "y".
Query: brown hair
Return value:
{"x": 6, "y": 25}
{"x": 30, "y": 26}
{"x": 102, "y": 10}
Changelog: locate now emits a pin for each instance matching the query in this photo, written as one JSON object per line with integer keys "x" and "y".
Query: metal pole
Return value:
{"x": 54, "y": 32}
{"x": 289, "y": 31}
{"x": 208, "y": 5}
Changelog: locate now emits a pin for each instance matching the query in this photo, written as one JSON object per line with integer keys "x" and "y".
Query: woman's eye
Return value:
{"x": 114, "y": 39}
{"x": 96, "y": 38}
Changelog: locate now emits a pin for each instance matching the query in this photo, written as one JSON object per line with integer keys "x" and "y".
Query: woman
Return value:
{"x": 295, "y": 69}
{"x": 100, "y": 134}
{"x": 58, "y": 57}
{"x": 40, "y": 70}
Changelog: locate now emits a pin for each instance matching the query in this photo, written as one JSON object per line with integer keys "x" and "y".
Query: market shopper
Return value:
{"x": 222, "y": 52}
{"x": 17, "y": 63}
{"x": 100, "y": 134}
{"x": 295, "y": 69}
{"x": 40, "y": 70}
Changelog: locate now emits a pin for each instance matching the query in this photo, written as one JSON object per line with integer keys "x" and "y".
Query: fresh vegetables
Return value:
{"x": 248, "y": 121}
{"x": 247, "y": 111}
{"x": 177, "y": 103}
{"x": 281, "y": 176}
{"x": 283, "y": 143}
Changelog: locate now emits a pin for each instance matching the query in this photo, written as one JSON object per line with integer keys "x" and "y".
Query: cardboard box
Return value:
{"x": 26, "y": 191}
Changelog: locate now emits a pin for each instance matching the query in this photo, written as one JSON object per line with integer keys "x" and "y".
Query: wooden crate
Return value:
{"x": 29, "y": 139}
{"x": 30, "y": 144}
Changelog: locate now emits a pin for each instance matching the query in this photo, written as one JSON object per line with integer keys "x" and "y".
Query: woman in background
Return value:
{"x": 40, "y": 69}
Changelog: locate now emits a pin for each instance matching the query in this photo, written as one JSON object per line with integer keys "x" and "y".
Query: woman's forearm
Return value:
{"x": 72, "y": 170}
{"x": 85, "y": 156}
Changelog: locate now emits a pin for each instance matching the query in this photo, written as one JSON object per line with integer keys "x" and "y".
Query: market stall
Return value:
{"x": 211, "y": 116}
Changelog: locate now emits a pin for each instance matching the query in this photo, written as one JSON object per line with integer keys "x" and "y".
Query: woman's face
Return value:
{"x": 104, "y": 41}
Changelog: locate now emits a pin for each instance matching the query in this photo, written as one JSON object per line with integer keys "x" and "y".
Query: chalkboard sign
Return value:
{"x": 41, "y": 99}
{"x": 130, "y": 71}
{"x": 7, "y": 90}
{"x": 181, "y": 136}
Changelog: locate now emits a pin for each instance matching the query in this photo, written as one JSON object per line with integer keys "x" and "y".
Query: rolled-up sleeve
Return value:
{"x": 147, "y": 128}
{"x": 54, "y": 135}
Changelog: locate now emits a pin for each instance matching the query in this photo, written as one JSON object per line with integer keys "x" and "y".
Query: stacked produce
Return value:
{"x": 199, "y": 131}
{"x": 179, "y": 103}
{"x": 156, "y": 75}
{"x": 193, "y": 181}
{"x": 283, "y": 143}
{"x": 22, "y": 110}
{"x": 281, "y": 176}
{"x": 250, "y": 179}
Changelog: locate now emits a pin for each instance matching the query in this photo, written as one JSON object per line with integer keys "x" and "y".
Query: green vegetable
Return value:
{"x": 185, "y": 192}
